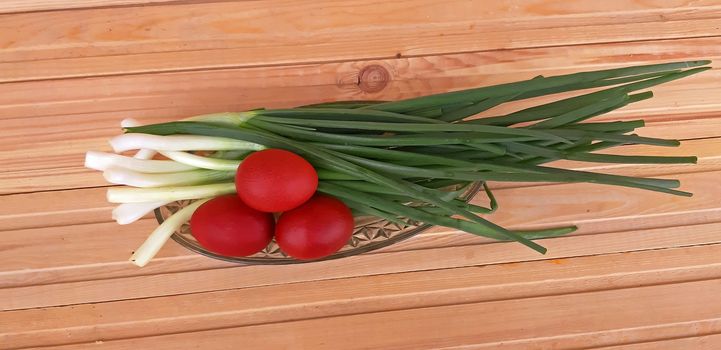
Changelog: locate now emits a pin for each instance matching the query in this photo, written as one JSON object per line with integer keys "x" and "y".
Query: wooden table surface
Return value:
{"x": 643, "y": 271}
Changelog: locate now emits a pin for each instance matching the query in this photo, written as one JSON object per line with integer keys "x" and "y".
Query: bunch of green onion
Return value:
{"x": 397, "y": 160}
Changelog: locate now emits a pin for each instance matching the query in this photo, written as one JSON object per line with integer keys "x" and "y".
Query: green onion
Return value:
{"x": 157, "y": 238}
{"x": 103, "y": 161}
{"x": 127, "y": 213}
{"x": 128, "y": 142}
{"x": 419, "y": 214}
{"x": 141, "y": 153}
{"x": 410, "y": 159}
{"x": 169, "y": 194}
{"x": 342, "y": 114}
{"x": 202, "y": 162}
{"x": 561, "y": 83}
{"x": 183, "y": 178}
{"x": 412, "y": 127}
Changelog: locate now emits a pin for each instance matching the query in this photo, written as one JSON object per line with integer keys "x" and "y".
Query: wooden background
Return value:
{"x": 643, "y": 272}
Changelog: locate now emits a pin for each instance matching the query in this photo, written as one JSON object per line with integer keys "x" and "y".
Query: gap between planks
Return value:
{"x": 437, "y": 73}
{"x": 183, "y": 61}
{"x": 410, "y": 290}
{"x": 139, "y": 287}
{"x": 696, "y": 335}
{"x": 710, "y": 341}
{"x": 147, "y": 37}
{"x": 88, "y": 67}
{"x": 637, "y": 279}
{"x": 75, "y": 208}
{"x": 100, "y": 250}
{"x": 25, "y": 6}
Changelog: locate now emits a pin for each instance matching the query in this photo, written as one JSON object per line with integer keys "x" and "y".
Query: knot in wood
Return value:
{"x": 373, "y": 78}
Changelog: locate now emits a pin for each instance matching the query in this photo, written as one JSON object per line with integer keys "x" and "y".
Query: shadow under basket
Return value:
{"x": 370, "y": 233}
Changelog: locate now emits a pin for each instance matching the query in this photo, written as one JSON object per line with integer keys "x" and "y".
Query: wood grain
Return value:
{"x": 93, "y": 246}
{"x": 442, "y": 326}
{"x": 333, "y": 298}
{"x": 253, "y": 33}
{"x": 192, "y": 274}
{"x": 15, "y": 6}
{"x": 640, "y": 273}
{"x": 89, "y": 205}
{"x": 271, "y": 86}
{"x": 94, "y": 106}
{"x": 703, "y": 342}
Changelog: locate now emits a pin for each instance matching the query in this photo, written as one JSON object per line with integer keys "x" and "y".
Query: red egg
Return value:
{"x": 226, "y": 226}
{"x": 275, "y": 180}
{"x": 316, "y": 229}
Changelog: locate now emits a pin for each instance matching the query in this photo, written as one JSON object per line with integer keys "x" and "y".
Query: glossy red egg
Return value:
{"x": 316, "y": 229}
{"x": 275, "y": 180}
{"x": 226, "y": 226}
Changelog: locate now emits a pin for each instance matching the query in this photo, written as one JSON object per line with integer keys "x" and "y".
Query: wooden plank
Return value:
{"x": 89, "y": 205}
{"x": 298, "y": 84}
{"x": 92, "y": 250}
{"x": 600, "y": 213}
{"x": 108, "y": 287}
{"x": 62, "y": 167}
{"x": 705, "y": 342}
{"x": 174, "y": 96}
{"x": 599, "y": 203}
{"x": 55, "y": 165}
{"x": 87, "y": 294}
{"x": 35, "y": 141}
{"x": 227, "y": 34}
{"x": 587, "y": 313}
{"x": 15, "y": 6}
{"x": 55, "y": 208}
{"x": 91, "y": 112}
{"x": 331, "y": 298}
{"x": 666, "y": 336}
{"x": 692, "y": 128}
{"x": 69, "y": 172}
{"x": 708, "y": 152}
